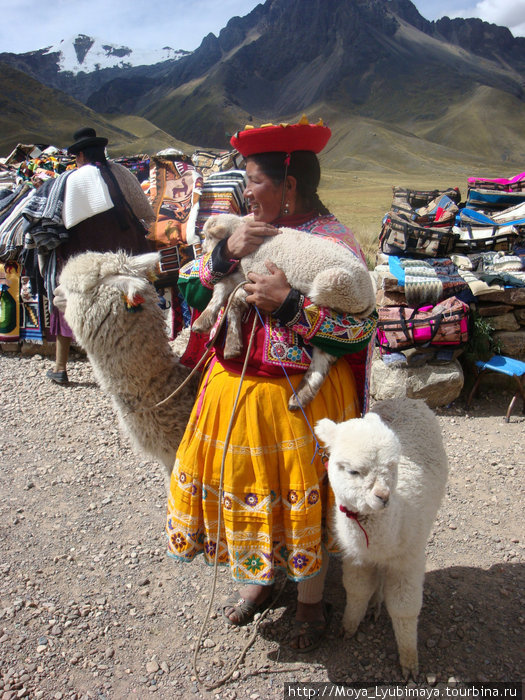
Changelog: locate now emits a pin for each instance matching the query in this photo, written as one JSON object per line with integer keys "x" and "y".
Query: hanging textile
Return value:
{"x": 34, "y": 310}
{"x": 175, "y": 188}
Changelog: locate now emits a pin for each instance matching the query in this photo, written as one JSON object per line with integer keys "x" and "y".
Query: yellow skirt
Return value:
{"x": 275, "y": 493}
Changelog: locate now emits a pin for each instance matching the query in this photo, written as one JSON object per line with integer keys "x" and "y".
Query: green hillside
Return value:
{"x": 32, "y": 113}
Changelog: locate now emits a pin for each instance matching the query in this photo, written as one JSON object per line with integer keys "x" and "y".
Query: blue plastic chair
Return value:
{"x": 504, "y": 365}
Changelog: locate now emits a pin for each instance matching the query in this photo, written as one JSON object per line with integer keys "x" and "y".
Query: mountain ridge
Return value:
{"x": 369, "y": 62}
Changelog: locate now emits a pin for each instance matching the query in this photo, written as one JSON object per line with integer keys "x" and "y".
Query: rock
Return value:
{"x": 520, "y": 316}
{"x": 438, "y": 385}
{"x": 152, "y": 667}
{"x": 517, "y": 295}
{"x": 490, "y": 310}
{"x": 513, "y": 296}
{"x": 505, "y": 322}
{"x": 512, "y": 342}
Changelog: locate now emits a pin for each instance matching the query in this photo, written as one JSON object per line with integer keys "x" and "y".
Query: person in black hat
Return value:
{"x": 118, "y": 227}
{"x": 86, "y": 138}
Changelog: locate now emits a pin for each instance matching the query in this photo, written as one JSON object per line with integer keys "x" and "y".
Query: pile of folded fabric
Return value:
{"x": 138, "y": 165}
{"x": 209, "y": 162}
{"x": 27, "y": 174}
{"x": 222, "y": 193}
{"x": 183, "y": 198}
{"x": 433, "y": 247}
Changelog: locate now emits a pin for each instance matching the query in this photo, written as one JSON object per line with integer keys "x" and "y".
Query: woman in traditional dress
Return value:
{"x": 275, "y": 494}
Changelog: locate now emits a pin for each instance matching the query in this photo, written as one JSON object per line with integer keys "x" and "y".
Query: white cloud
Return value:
{"x": 505, "y": 13}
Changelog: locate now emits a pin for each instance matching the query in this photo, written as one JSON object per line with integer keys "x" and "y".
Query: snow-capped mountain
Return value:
{"x": 82, "y": 64}
{"x": 87, "y": 54}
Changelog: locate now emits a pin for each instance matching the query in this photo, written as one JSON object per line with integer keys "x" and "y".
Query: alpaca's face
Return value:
{"x": 92, "y": 284}
{"x": 216, "y": 228}
{"x": 364, "y": 454}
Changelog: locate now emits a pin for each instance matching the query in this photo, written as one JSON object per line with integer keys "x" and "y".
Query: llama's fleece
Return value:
{"x": 327, "y": 272}
{"x": 388, "y": 472}
{"x": 128, "y": 346}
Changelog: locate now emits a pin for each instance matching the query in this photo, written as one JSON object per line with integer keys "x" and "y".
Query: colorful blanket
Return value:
{"x": 222, "y": 194}
{"x": 175, "y": 189}
{"x": 503, "y": 184}
{"x": 13, "y": 229}
{"x": 44, "y": 213}
{"x": 34, "y": 312}
{"x": 428, "y": 280}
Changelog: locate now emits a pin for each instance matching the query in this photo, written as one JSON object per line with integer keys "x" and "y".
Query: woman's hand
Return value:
{"x": 267, "y": 292}
{"x": 248, "y": 237}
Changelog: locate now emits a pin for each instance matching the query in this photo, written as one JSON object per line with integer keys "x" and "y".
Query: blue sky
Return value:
{"x": 33, "y": 24}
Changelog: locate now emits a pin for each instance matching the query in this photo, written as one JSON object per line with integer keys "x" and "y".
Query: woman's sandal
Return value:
{"x": 313, "y": 631}
{"x": 245, "y": 610}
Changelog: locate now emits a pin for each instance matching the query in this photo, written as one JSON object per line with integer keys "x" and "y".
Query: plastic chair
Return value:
{"x": 504, "y": 365}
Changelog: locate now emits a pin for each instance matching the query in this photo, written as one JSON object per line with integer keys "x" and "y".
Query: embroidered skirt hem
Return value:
{"x": 275, "y": 493}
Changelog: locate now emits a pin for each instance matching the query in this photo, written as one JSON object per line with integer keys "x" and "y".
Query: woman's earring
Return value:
{"x": 286, "y": 209}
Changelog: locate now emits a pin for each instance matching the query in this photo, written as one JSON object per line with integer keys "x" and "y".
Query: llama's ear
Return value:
{"x": 144, "y": 264}
{"x": 325, "y": 431}
{"x": 372, "y": 417}
{"x": 131, "y": 287}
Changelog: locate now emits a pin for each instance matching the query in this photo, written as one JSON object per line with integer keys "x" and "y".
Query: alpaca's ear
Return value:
{"x": 131, "y": 287}
{"x": 144, "y": 264}
{"x": 325, "y": 431}
{"x": 372, "y": 418}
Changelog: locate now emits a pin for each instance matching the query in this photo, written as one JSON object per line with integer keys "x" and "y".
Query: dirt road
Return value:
{"x": 91, "y": 607}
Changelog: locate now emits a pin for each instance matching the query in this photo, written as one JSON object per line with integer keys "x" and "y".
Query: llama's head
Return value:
{"x": 218, "y": 227}
{"x": 94, "y": 287}
{"x": 362, "y": 468}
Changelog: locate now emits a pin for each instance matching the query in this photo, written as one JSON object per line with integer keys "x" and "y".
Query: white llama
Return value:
{"x": 388, "y": 472}
{"x": 112, "y": 309}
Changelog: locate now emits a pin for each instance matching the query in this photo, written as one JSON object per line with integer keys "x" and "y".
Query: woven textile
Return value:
{"x": 175, "y": 189}
{"x": 221, "y": 194}
{"x": 86, "y": 195}
{"x": 422, "y": 285}
{"x": 13, "y": 229}
{"x": 422, "y": 281}
{"x": 34, "y": 312}
{"x": 269, "y": 519}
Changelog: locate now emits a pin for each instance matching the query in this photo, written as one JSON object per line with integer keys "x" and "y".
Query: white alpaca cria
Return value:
{"x": 388, "y": 472}
{"x": 327, "y": 273}
{"x": 127, "y": 346}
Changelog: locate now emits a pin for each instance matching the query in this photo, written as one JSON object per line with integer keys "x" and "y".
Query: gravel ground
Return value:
{"x": 91, "y": 607}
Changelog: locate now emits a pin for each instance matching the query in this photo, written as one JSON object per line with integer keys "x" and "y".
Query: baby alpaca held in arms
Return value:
{"x": 328, "y": 273}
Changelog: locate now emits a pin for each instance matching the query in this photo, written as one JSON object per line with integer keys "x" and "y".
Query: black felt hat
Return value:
{"x": 85, "y": 138}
